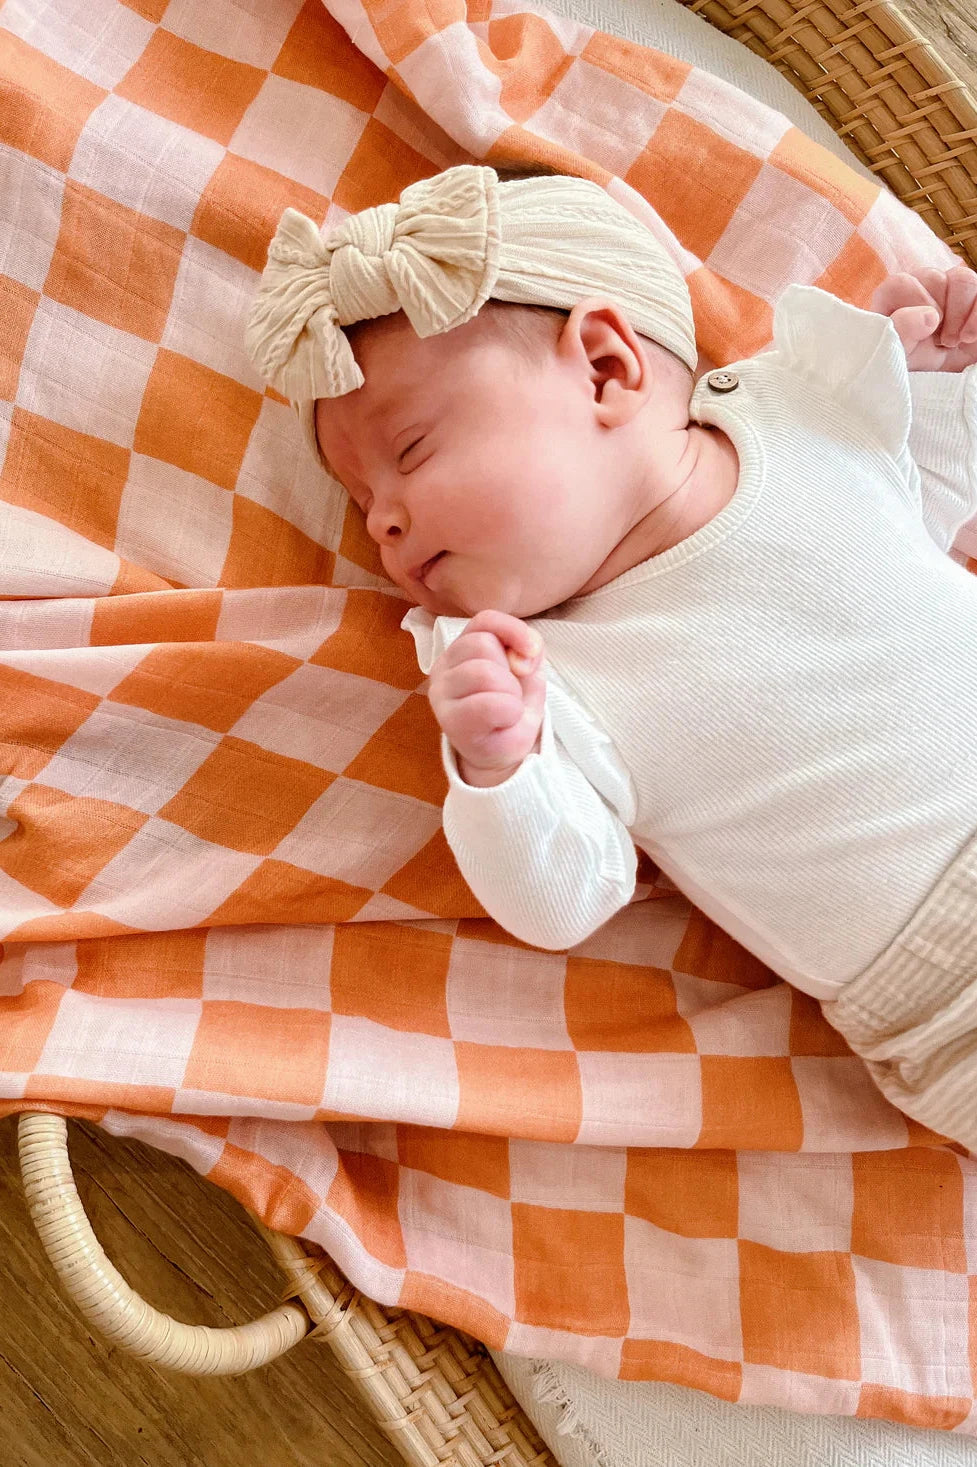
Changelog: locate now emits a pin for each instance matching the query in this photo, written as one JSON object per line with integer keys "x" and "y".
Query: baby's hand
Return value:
{"x": 935, "y": 314}
{"x": 488, "y": 695}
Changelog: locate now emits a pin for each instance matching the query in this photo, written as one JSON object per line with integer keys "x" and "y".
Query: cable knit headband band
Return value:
{"x": 438, "y": 254}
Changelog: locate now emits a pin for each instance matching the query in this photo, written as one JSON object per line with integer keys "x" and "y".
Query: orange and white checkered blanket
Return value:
{"x": 231, "y": 924}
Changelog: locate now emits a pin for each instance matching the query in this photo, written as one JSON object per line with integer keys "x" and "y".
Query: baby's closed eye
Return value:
{"x": 401, "y": 456}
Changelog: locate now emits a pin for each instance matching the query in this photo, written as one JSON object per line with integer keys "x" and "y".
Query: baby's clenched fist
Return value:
{"x": 935, "y": 315}
{"x": 488, "y": 695}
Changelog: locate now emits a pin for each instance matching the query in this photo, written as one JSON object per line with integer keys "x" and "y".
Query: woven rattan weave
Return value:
{"x": 883, "y": 88}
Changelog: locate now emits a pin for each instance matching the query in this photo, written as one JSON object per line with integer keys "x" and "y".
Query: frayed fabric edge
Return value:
{"x": 547, "y": 1390}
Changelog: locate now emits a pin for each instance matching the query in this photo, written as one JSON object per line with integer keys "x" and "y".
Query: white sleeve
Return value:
{"x": 943, "y": 443}
{"x": 926, "y": 421}
{"x": 545, "y": 854}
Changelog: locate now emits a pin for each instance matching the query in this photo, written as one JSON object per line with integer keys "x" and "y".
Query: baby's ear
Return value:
{"x": 620, "y": 374}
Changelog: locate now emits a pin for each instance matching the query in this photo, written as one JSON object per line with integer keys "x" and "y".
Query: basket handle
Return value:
{"x": 103, "y": 1295}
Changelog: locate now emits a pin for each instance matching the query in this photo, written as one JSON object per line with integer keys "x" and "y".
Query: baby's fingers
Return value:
{"x": 492, "y": 730}
{"x": 897, "y": 291}
{"x": 915, "y": 326}
{"x": 521, "y": 644}
{"x": 961, "y": 298}
{"x": 968, "y": 327}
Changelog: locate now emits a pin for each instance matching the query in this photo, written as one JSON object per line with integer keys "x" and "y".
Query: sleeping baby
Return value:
{"x": 707, "y": 613}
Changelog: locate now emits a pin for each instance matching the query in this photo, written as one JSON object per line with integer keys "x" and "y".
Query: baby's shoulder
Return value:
{"x": 848, "y": 355}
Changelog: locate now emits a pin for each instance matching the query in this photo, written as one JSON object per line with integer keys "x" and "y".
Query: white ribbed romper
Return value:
{"x": 781, "y": 709}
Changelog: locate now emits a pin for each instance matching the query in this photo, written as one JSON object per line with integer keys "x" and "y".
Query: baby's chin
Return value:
{"x": 496, "y": 593}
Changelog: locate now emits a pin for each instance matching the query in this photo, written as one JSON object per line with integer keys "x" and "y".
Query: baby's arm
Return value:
{"x": 545, "y": 854}
{"x": 935, "y": 315}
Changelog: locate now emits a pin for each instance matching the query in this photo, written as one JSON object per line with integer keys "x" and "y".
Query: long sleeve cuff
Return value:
{"x": 544, "y": 854}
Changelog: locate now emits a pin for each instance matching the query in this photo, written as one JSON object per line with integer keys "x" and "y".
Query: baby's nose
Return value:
{"x": 386, "y": 522}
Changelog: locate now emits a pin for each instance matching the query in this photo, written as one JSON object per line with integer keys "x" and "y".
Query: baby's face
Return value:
{"x": 458, "y": 447}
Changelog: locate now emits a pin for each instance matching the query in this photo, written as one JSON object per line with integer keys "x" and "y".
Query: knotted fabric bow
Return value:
{"x": 438, "y": 254}
{"x": 434, "y": 255}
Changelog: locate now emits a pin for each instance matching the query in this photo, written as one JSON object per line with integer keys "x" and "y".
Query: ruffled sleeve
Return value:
{"x": 855, "y": 356}
{"x": 431, "y": 634}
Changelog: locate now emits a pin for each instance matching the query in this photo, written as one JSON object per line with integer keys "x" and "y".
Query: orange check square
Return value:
{"x": 319, "y": 53}
{"x": 200, "y": 89}
{"x": 616, "y": 1008}
{"x": 706, "y": 951}
{"x": 716, "y": 174}
{"x": 938, "y": 1413}
{"x": 531, "y": 1093}
{"x": 525, "y": 52}
{"x": 114, "y": 263}
{"x": 143, "y": 965}
{"x": 267, "y": 550}
{"x": 799, "y": 1311}
{"x": 280, "y": 1197}
{"x": 455, "y": 1156}
{"x": 423, "y": 1294}
{"x": 751, "y": 1103}
{"x": 37, "y": 715}
{"x": 389, "y": 758}
{"x": 397, "y": 978}
{"x": 380, "y": 167}
{"x": 262, "y": 1053}
{"x": 692, "y": 1193}
{"x": 174, "y": 616}
{"x": 17, "y": 306}
{"x": 242, "y": 203}
{"x": 245, "y": 797}
{"x": 279, "y": 892}
{"x": 810, "y": 1032}
{"x": 908, "y": 1208}
{"x": 148, "y": 9}
{"x": 814, "y": 165}
{"x": 854, "y": 273}
{"x": 369, "y": 642}
{"x": 730, "y": 323}
{"x": 196, "y": 418}
{"x": 65, "y": 1091}
{"x": 210, "y": 683}
{"x": 45, "y": 105}
{"x": 656, "y": 73}
{"x": 68, "y": 476}
{"x": 62, "y": 841}
{"x": 401, "y": 27}
{"x": 681, "y": 1365}
{"x": 569, "y": 1269}
{"x": 364, "y": 1193}
{"x": 431, "y": 881}
{"x": 27, "y": 1021}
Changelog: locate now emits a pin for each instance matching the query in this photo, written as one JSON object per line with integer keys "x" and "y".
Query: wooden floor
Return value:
{"x": 69, "y": 1400}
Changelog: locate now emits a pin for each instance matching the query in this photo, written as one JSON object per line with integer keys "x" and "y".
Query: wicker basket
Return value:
{"x": 882, "y": 87}
{"x": 433, "y": 1390}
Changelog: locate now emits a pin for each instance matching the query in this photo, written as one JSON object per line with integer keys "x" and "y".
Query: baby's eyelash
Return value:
{"x": 403, "y": 455}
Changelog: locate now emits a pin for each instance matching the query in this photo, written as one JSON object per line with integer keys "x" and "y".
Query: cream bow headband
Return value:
{"x": 450, "y": 243}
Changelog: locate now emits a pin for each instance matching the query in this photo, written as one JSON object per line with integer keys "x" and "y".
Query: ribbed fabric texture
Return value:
{"x": 783, "y": 705}
{"x": 912, "y": 1015}
{"x": 438, "y": 254}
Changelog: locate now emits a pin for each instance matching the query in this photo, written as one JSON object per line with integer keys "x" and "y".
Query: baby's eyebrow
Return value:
{"x": 391, "y": 399}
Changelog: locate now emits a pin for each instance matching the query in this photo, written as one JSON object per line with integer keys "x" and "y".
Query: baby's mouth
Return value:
{"x": 429, "y": 564}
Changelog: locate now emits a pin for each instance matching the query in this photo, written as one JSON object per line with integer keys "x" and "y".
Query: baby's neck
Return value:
{"x": 707, "y": 482}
